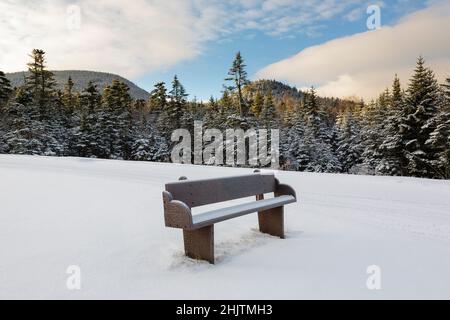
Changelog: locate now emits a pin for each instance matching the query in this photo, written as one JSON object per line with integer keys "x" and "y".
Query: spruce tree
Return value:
{"x": 40, "y": 82}
{"x": 438, "y": 142}
{"x": 312, "y": 114}
{"x": 88, "y": 134}
{"x": 177, "y": 105}
{"x": 24, "y": 130}
{"x": 372, "y": 122}
{"x": 238, "y": 75}
{"x": 5, "y": 89}
{"x": 349, "y": 141}
{"x": 257, "y": 104}
{"x": 213, "y": 116}
{"x": 446, "y": 89}
{"x": 268, "y": 113}
{"x": 115, "y": 122}
{"x": 69, "y": 97}
{"x": 295, "y": 150}
{"x": 422, "y": 105}
{"x": 158, "y": 97}
{"x": 391, "y": 150}
{"x": 149, "y": 145}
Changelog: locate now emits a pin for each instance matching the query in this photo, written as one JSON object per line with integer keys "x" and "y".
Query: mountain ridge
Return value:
{"x": 81, "y": 79}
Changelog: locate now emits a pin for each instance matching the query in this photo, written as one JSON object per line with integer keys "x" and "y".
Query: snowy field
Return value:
{"x": 106, "y": 217}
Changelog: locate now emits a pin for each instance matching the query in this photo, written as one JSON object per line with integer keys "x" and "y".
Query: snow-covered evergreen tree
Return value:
{"x": 149, "y": 145}
{"x": 24, "y": 128}
{"x": 173, "y": 115}
{"x": 40, "y": 82}
{"x": 307, "y": 145}
{"x": 115, "y": 122}
{"x": 257, "y": 104}
{"x": 372, "y": 117}
{"x": 238, "y": 75}
{"x": 422, "y": 104}
{"x": 5, "y": 89}
{"x": 87, "y": 134}
{"x": 294, "y": 154}
{"x": 391, "y": 150}
{"x": 268, "y": 113}
{"x": 438, "y": 142}
{"x": 349, "y": 140}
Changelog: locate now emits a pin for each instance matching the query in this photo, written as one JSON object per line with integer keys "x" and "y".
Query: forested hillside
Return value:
{"x": 81, "y": 80}
{"x": 405, "y": 132}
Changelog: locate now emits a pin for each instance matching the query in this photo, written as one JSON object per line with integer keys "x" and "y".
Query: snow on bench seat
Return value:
{"x": 214, "y": 216}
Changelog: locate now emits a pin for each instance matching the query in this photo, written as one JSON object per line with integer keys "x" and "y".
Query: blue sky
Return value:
{"x": 324, "y": 43}
{"x": 204, "y": 75}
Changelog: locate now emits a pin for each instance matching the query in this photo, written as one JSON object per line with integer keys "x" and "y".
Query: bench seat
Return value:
{"x": 211, "y": 217}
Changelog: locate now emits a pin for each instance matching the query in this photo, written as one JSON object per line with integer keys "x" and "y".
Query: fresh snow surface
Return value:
{"x": 106, "y": 217}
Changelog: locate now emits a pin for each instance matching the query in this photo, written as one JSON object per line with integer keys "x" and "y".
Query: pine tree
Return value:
{"x": 268, "y": 113}
{"x": 34, "y": 122}
{"x": 308, "y": 144}
{"x": 176, "y": 108}
{"x": 295, "y": 151}
{"x": 69, "y": 97}
{"x": 24, "y": 129}
{"x": 291, "y": 113}
{"x": 372, "y": 118}
{"x": 115, "y": 122}
{"x": 438, "y": 142}
{"x": 320, "y": 135}
{"x": 213, "y": 115}
{"x": 311, "y": 112}
{"x": 227, "y": 113}
{"x": 5, "y": 94}
{"x": 391, "y": 149}
{"x": 422, "y": 105}
{"x": 349, "y": 141}
{"x": 446, "y": 89}
{"x": 238, "y": 75}
{"x": 3, "y": 144}
{"x": 88, "y": 134}
{"x": 158, "y": 97}
{"x": 149, "y": 145}
{"x": 257, "y": 105}
{"x": 40, "y": 82}
{"x": 5, "y": 89}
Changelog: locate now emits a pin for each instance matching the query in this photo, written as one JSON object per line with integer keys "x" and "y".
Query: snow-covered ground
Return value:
{"x": 106, "y": 217}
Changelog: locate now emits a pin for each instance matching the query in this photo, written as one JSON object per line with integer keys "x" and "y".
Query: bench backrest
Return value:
{"x": 202, "y": 192}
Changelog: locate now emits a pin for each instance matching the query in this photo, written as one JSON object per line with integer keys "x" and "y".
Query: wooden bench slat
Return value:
{"x": 202, "y": 192}
{"x": 215, "y": 216}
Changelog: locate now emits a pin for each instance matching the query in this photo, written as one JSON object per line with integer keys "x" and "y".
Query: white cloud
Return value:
{"x": 137, "y": 37}
{"x": 364, "y": 64}
{"x": 130, "y": 38}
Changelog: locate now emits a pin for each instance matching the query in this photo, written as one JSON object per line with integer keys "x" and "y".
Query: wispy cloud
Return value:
{"x": 365, "y": 63}
{"x": 277, "y": 17}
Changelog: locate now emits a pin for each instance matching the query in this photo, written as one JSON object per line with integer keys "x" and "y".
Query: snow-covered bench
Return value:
{"x": 198, "y": 230}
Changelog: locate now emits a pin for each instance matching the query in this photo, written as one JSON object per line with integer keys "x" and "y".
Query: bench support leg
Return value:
{"x": 199, "y": 243}
{"x": 272, "y": 222}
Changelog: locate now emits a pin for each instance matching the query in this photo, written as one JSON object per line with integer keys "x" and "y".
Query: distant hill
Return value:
{"x": 276, "y": 88}
{"x": 81, "y": 79}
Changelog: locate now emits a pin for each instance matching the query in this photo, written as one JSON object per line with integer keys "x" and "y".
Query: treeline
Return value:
{"x": 402, "y": 133}
{"x": 37, "y": 119}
